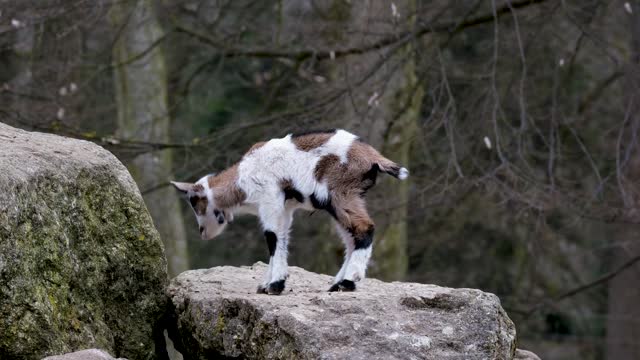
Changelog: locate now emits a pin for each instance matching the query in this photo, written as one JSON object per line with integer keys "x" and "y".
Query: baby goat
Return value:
{"x": 329, "y": 170}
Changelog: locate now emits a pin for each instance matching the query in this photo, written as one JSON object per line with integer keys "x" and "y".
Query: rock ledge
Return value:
{"x": 216, "y": 312}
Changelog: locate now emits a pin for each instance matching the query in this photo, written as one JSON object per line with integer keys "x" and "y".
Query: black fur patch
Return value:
{"x": 193, "y": 200}
{"x": 344, "y": 285}
{"x": 394, "y": 171}
{"x": 276, "y": 287}
{"x": 363, "y": 240}
{"x": 323, "y": 205}
{"x": 292, "y": 193}
{"x": 272, "y": 240}
{"x": 314, "y": 201}
{"x": 369, "y": 178}
{"x": 219, "y": 216}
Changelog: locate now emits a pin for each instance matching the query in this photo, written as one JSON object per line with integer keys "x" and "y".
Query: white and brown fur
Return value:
{"x": 328, "y": 170}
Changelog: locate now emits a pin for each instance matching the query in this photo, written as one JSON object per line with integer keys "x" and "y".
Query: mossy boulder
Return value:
{"x": 81, "y": 264}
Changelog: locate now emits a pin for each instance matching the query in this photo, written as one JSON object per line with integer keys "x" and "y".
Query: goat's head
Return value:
{"x": 211, "y": 220}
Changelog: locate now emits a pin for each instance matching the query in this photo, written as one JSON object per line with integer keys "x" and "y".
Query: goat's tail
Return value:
{"x": 393, "y": 169}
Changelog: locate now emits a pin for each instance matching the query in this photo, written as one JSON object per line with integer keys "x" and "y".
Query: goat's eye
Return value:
{"x": 193, "y": 200}
{"x": 216, "y": 212}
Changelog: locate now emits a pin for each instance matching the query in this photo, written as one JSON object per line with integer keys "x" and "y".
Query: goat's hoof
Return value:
{"x": 275, "y": 288}
{"x": 344, "y": 285}
{"x": 261, "y": 290}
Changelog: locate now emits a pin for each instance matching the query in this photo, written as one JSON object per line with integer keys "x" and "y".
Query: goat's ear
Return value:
{"x": 183, "y": 187}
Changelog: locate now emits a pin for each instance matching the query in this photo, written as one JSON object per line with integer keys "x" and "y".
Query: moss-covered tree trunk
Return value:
{"x": 141, "y": 94}
{"x": 379, "y": 100}
{"x": 403, "y": 109}
{"x": 384, "y": 110}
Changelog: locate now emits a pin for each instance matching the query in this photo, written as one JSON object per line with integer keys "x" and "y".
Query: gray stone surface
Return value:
{"x": 525, "y": 355}
{"x": 89, "y": 354}
{"x": 81, "y": 265}
{"x": 217, "y": 312}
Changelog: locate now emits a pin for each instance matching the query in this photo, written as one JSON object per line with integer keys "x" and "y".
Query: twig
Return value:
{"x": 579, "y": 289}
{"x": 423, "y": 29}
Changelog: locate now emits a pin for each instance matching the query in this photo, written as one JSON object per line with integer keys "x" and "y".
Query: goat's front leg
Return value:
{"x": 276, "y": 222}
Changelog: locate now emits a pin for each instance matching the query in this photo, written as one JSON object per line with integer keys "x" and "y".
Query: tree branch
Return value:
{"x": 579, "y": 289}
{"x": 422, "y": 29}
{"x": 602, "y": 279}
{"x": 592, "y": 96}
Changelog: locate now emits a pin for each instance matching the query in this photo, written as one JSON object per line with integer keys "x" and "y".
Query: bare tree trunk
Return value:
{"x": 388, "y": 124}
{"x": 391, "y": 257}
{"x": 141, "y": 93}
{"x": 623, "y": 318}
{"x": 384, "y": 109}
{"x": 380, "y": 102}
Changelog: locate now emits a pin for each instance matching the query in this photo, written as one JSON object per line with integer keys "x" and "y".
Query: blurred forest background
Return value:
{"x": 518, "y": 120}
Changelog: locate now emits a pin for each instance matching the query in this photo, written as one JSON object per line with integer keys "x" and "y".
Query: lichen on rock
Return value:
{"x": 81, "y": 264}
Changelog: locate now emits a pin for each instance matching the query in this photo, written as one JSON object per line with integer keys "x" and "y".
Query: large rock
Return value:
{"x": 525, "y": 355}
{"x": 81, "y": 264}
{"x": 216, "y": 312}
{"x": 89, "y": 354}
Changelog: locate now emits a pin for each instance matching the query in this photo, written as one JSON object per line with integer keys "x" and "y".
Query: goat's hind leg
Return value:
{"x": 338, "y": 282}
{"x": 353, "y": 217}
